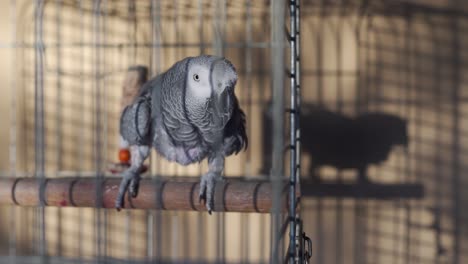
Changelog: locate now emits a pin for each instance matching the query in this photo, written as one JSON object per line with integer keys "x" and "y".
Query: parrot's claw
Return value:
{"x": 134, "y": 186}
{"x": 207, "y": 184}
{"x": 118, "y": 205}
{"x": 119, "y": 200}
{"x": 202, "y": 198}
{"x": 130, "y": 182}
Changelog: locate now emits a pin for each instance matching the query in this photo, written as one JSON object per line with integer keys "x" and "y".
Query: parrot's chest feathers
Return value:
{"x": 183, "y": 155}
{"x": 182, "y": 145}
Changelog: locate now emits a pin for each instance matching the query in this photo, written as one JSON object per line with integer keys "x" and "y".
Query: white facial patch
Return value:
{"x": 198, "y": 82}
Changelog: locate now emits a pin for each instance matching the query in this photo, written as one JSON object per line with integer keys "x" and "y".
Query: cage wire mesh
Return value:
{"x": 67, "y": 62}
{"x": 401, "y": 58}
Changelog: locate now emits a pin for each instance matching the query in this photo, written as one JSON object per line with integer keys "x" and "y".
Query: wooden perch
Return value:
{"x": 181, "y": 193}
{"x": 167, "y": 194}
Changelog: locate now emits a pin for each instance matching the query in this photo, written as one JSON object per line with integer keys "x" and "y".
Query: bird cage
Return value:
{"x": 73, "y": 66}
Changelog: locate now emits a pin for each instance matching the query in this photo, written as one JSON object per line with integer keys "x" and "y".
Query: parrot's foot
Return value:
{"x": 134, "y": 186}
{"x": 130, "y": 183}
{"x": 207, "y": 189}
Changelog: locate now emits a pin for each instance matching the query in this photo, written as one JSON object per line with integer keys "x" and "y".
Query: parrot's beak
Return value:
{"x": 223, "y": 105}
{"x": 223, "y": 83}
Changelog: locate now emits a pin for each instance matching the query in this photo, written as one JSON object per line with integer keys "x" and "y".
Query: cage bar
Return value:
{"x": 277, "y": 21}
{"x": 294, "y": 130}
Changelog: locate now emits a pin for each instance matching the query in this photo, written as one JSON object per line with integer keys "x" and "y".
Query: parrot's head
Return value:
{"x": 210, "y": 83}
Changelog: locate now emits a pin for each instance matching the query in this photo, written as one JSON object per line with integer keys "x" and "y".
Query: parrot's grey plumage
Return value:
{"x": 188, "y": 114}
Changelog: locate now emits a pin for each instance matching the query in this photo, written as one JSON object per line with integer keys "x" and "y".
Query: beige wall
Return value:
{"x": 5, "y": 84}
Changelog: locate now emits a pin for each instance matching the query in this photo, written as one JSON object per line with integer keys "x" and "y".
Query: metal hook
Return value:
{"x": 308, "y": 252}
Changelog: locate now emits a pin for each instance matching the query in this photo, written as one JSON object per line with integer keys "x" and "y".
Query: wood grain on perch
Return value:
{"x": 181, "y": 193}
{"x": 166, "y": 194}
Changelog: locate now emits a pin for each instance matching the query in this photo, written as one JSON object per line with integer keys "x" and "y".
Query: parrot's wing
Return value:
{"x": 135, "y": 121}
{"x": 235, "y": 135}
{"x": 177, "y": 126}
{"x": 171, "y": 106}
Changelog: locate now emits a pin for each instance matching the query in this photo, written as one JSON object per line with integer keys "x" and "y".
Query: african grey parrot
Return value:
{"x": 187, "y": 114}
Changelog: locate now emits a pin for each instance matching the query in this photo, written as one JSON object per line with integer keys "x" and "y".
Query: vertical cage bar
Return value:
{"x": 292, "y": 123}
{"x": 152, "y": 216}
{"x": 438, "y": 159}
{"x": 131, "y": 35}
{"x": 99, "y": 243}
{"x": 339, "y": 108}
{"x": 319, "y": 61}
{"x": 456, "y": 63}
{"x": 155, "y": 250}
{"x": 103, "y": 115}
{"x": 297, "y": 33}
{"x": 58, "y": 113}
{"x": 245, "y": 219}
{"x": 277, "y": 20}
{"x": 58, "y": 86}
{"x": 39, "y": 124}
{"x": 358, "y": 204}
{"x": 12, "y": 251}
{"x": 406, "y": 61}
{"x": 219, "y": 20}
{"x": 201, "y": 215}
{"x": 175, "y": 216}
{"x": 81, "y": 148}
{"x": 200, "y": 24}
{"x": 219, "y": 23}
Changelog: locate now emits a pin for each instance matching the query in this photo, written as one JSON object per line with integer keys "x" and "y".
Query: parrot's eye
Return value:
{"x": 196, "y": 77}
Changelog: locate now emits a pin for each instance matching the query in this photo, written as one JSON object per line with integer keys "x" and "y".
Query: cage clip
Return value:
{"x": 307, "y": 247}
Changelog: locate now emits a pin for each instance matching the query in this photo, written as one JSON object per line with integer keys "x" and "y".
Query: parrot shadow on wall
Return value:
{"x": 343, "y": 142}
